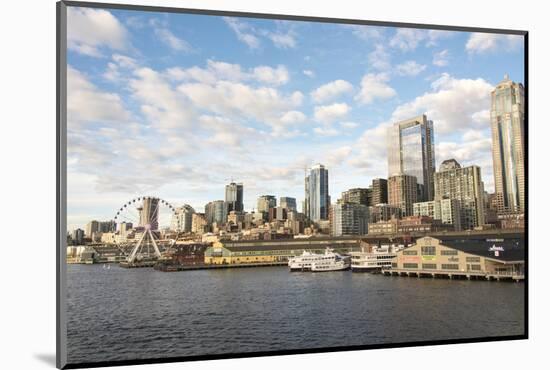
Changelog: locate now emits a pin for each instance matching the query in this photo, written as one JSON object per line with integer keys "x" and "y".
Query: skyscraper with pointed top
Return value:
{"x": 507, "y": 129}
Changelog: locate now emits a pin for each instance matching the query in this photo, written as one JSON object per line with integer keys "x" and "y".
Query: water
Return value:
{"x": 121, "y": 314}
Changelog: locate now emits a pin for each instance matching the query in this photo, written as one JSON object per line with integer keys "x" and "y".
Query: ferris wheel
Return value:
{"x": 144, "y": 219}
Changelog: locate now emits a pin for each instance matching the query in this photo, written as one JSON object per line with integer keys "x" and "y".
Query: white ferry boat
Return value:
{"x": 374, "y": 259}
{"x": 329, "y": 261}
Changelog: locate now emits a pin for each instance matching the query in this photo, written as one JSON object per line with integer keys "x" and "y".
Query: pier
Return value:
{"x": 444, "y": 274}
{"x": 174, "y": 268}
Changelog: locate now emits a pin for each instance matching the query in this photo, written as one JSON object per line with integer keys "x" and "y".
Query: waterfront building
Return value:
{"x": 216, "y": 212}
{"x": 274, "y": 251}
{"x": 510, "y": 220}
{"x": 465, "y": 185}
{"x": 379, "y": 192}
{"x": 402, "y": 193}
{"x": 182, "y": 219}
{"x": 288, "y": 203}
{"x": 349, "y": 219}
{"x": 357, "y": 196}
{"x": 383, "y": 227}
{"x": 411, "y": 152}
{"x": 445, "y": 210}
{"x": 265, "y": 202}
{"x": 475, "y": 256}
{"x": 234, "y": 197}
{"x": 77, "y": 236}
{"x": 421, "y": 224}
{"x": 317, "y": 194}
{"x": 507, "y": 128}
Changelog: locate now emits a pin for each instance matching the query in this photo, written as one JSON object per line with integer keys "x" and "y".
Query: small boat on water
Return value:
{"x": 329, "y": 261}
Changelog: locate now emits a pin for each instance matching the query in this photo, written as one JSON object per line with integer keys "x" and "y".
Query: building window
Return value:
{"x": 394, "y": 264}
{"x": 449, "y": 266}
{"x": 472, "y": 259}
{"x": 429, "y": 266}
{"x": 450, "y": 252}
{"x": 410, "y": 253}
{"x": 428, "y": 251}
{"x": 410, "y": 265}
{"x": 475, "y": 267}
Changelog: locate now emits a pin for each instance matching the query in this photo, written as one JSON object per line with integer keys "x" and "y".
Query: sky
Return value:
{"x": 178, "y": 105}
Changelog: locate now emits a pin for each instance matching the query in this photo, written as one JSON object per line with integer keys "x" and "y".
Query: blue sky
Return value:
{"x": 177, "y": 105}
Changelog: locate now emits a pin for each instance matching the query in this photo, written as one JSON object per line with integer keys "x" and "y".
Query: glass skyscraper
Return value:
{"x": 507, "y": 126}
{"x": 317, "y": 199}
{"x": 411, "y": 152}
{"x": 234, "y": 197}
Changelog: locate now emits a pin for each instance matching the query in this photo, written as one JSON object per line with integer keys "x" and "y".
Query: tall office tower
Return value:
{"x": 234, "y": 197}
{"x": 356, "y": 196}
{"x": 107, "y": 226}
{"x": 216, "y": 211}
{"x": 288, "y": 203}
{"x": 507, "y": 126}
{"x": 91, "y": 228}
{"x": 464, "y": 184}
{"x": 265, "y": 202}
{"x": 411, "y": 152}
{"x": 317, "y": 198}
{"x": 182, "y": 219}
{"x": 149, "y": 213}
{"x": 402, "y": 193}
{"x": 379, "y": 191}
{"x": 349, "y": 219}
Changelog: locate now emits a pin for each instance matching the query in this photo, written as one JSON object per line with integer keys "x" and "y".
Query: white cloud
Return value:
{"x": 349, "y": 125}
{"x": 89, "y": 30}
{"x": 326, "y": 131}
{"x": 490, "y": 42}
{"x": 410, "y": 68}
{"x": 374, "y": 87}
{"x": 293, "y": 116}
{"x": 453, "y": 104}
{"x": 221, "y": 71}
{"x": 407, "y": 39}
{"x": 283, "y": 40}
{"x": 308, "y": 73}
{"x": 171, "y": 40}
{"x": 433, "y": 36}
{"x": 87, "y": 103}
{"x": 278, "y": 76}
{"x": 379, "y": 58}
{"x": 366, "y": 33}
{"x": 330, "y": 113}
{"x": 331, "y": 90}
{"x": 244, "y": 32}
{"x": 337, "y": 156}
{"x": 441, "y": 59}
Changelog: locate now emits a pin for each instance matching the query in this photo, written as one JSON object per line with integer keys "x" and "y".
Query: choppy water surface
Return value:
{"x": 120, "y": 314}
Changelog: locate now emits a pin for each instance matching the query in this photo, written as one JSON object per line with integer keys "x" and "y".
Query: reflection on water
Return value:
{"x": 121, "y": 314}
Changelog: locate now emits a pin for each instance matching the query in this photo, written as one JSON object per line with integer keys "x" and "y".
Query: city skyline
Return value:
{"x": 138, "y": 128}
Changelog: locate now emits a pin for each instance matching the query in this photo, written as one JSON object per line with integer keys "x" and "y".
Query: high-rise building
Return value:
{"x": 357, "y": 196}
{"x": 199, "y": 224}
{"x": 507, "y": 127}
{"x": 445, "y": 210}
{"x": 288, "y": 203}
{"x": 234, "y": 197}
{"x": 182, "y": 219}
{"x": 463, "y": 184}
{"x": 402, "y": 193}
{"x": 76, "y": 236}
{"x": 349, "y": 219}
{"x": 379, "y": 191}
{"x": 216, "y": 212}
{"x": 91, "y": 228}
{"x": 411, "y": 152}
{"x": 383, "y": 212}
{"x": 317, "y": 193}
{"x": 265, "y": 202}
{"x": 149, "y": 213}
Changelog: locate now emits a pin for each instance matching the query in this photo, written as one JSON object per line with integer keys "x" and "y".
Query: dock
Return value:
{"x": 174, "y": 268}
{"x": 446, "y": 274}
